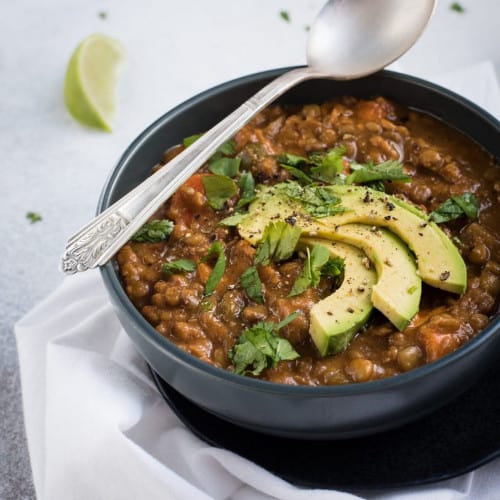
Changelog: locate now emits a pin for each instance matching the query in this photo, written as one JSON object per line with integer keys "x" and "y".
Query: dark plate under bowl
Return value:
{"x": 291, "y": 411}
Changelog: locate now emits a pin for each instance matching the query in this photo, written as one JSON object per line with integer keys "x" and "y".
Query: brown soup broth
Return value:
{"x": 442, "y": 163}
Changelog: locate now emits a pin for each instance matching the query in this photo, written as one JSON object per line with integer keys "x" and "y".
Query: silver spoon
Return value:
{"x": 349, "y": 39}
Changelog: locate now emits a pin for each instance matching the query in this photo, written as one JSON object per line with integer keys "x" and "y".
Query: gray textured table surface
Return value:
{"x": 54, "y": 166}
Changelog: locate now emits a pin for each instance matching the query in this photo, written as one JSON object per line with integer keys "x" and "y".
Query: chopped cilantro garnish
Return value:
{"x": 218, "y": 269}
{"x": 318, "y": 263}
{"x": 455, "y": 207}
{"x": 246, "y": 183}
{"x": 457, "y": 7}
{"x": 218, "y": 189}
{"x": 328, "y": 166}
{"x": 33, "y": 217}
{"x": 334, "y": 268}
{"x": 227, "y": 149}
{"x": 154, "y": 231}
{"x": 285, "y": 15}
{"x": 316, "y": 200}
{"x": 367, "y": 173}
{"x": 179, "y": 266}
{"x": 187, "y": 141}
{"x": 261, "y": 347}
{"x": 299, "y": 174}
{"x": 225, "y": 166}
{"x": 250, "y": 281}
{"x": 278, "y": 243}
{"x": 323, "y": 166}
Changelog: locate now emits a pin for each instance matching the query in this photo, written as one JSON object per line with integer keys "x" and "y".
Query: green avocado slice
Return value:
{"x": 399, "y": 288}
{"x": 335, "y": 320}
{"x": 439, "y": 261}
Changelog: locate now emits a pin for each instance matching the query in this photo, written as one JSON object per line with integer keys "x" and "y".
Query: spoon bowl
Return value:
{"x": 349, "y": 39}
{"x": 354, "y": 38}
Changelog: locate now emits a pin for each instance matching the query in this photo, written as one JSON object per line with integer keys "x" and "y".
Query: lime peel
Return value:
{"x": 90, "y": 83}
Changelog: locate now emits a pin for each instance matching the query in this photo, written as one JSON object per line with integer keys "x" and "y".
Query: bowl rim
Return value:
{"x": 148, "y": 332}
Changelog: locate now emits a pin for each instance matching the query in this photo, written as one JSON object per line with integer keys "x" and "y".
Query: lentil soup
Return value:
{"x": 202, "y": 286}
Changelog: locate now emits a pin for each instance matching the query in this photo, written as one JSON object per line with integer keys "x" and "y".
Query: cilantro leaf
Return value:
{"x": 187, "y": 141}
{"x": 316, "y": 200}
{"x": 278, "y": 243}
{"x": 218, "y": 190}
{"x": 301, "y": 176}
{"x": 289, "y": 159}
{"x": 334, "y": 268}
{"x": 227, "y": 149}
{"x": 323, "y": 166}
{"x": 218, "y": 269}
{"x": 388, "y": 170}
{"x": 328, "y": 166}
{"x": 261, "y": 347}
{"x": 246, "y": 183}
{"x": 318, "y": 263}
{"x": 33, "y": 217}
{"x": 455, "y": 207}
{"x": 180, "y": 265}
{"x": 154, "y": 231}
{"x": 250, "y": 281}
{"x": 225, "y": 166}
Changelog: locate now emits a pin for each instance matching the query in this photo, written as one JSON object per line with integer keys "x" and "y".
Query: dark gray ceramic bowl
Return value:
{"x": 301, "y": 412}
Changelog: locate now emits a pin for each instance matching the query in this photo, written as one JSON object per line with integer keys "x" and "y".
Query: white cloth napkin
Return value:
{"x": 97, "y": 427}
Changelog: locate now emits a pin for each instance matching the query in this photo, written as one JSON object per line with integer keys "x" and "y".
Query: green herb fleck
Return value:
{"x": 278, "y": 243}
{"x": 457, "y": 7}
{"x": 225, "y": 166}
{"x": 328, "y": 166}
{"x": 250, "y": 281}
{"x": 33, "y": 217}
{"x": 324, "y": 166}
{"x": 218, "y": 190}
{"x": 316, "y": 200}
{"x": 154, "y": 231}
{"x": 307, "y": 28}
{"x": 411, "y": 290}
{"x": 103, "y": 15}
{"x": 318, "y": 263}
{"x": 334, "y": 268}
{"x": 261, "y": 347}
{"x": 299, "y": 174}
{"x": 367, "y": 173}
{"x": 187, "y": 141}
{"x": 218, "y": 269}
{"x": 227, "y": 149}
{"x": 455, "y": 207}
{"x": 285, "y": 15}
{"x": 246, "y": 183}
{"x": 179, "y": 266}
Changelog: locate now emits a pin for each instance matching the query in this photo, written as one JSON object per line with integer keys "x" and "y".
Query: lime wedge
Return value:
{"x": 89, "y": 88}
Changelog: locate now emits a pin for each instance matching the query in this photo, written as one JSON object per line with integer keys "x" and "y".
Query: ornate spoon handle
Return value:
{"x": 99, "y": 240}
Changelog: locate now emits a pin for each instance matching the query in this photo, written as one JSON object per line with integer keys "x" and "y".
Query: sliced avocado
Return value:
{"x": 439, "y": 261}
{"x": 397, "y": 292}
{"x": 335, "y": 320}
